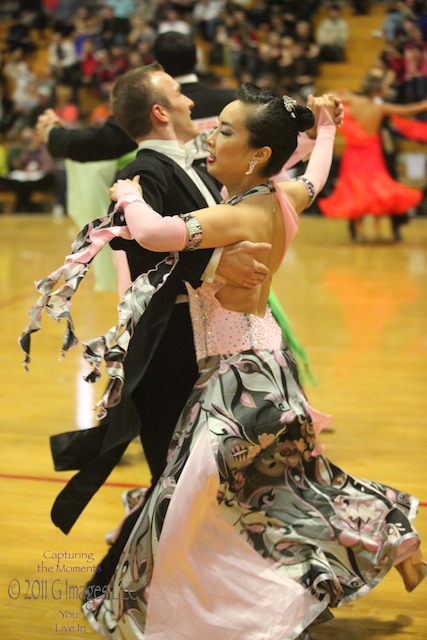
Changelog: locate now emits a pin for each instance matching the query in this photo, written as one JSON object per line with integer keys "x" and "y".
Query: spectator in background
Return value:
{"x": 140, "y": 31}
{"x": 205, "y": 17}
{"x": 88, "y": 63}
{"x": 420, "y": 15}
{"x": 393, "y": 22}
{"x": 307, "y": 10}
{"x": 64, "y": 107}
{"x": 243, "y": 40}
{"x": 44, "y": 97}
{"x": 332, "y": 36}
{"x": 285, "y": 61}
{"x": 7, "y": 110}
{"x": 46, "y": 79}
{"x": 119, "y": 59}
{"x": 303, "y": 71}
{"x": 49, "y": 8}
{"x": 63, "y": 59}
{"x": 135, "y": 59}
{"x": 393, "y": 64}
{"x": 267, "y": 61}
{"x": 18, "y": 72}
{"x": 161, "y": 11}
{"x": 35, "y": 16}
{"x": 83, "y": 29}
{"x": 258, "y": 14}
{"x": 415, "y": 62}
{"x": 102, "y": 111}
{"x": 23, "y": 84}
{"x": 406, "y": 33}
{"x": 303, "y": 33}
{"x": 220, "y": 50}
{"x": 277, "y": 23}
{"x": 146, "y": 9}
{"x": 105, "y": 70}
{"x": 144, "y": 51}
{"x": 361, "y": 7}
{"x": 32, "y": 168}
{"x": 173, "y": 22}
{"x": 414, "y": 86}
{"x": 289, "y": 10}
{"x": 19, "y": 36}
{"x": 122, "y": 11}
{"x": 63, "y": 14}
{"x": 108, "y": 29}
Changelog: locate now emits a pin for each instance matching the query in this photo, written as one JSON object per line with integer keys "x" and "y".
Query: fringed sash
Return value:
{"x": 112, "y": 345}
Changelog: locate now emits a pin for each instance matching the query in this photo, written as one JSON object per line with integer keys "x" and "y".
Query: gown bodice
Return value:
{"x": 219, "y": 331}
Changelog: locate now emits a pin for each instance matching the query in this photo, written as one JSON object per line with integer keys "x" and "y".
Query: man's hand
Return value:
{"x": 239, "y": 267}
{"x": 46, "y": 121}
{"x": 133, "y": 189}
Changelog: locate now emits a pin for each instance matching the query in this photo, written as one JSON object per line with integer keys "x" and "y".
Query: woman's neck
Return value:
{"x": 261, "y": 188}
{"x": 244, "y": 185}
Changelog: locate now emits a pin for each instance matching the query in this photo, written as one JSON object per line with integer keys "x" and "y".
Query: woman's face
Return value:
{"x": 229, "y": 152}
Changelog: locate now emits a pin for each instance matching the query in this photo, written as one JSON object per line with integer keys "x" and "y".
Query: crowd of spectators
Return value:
{"x": 88, "y": 45}
{"x": 404, "y": 57}
{"x": 277, "y": 43}
{"x": 85, "y": 46}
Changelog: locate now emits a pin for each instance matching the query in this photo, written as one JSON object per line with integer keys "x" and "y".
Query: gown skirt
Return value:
{"x": 251, "y": 533}
{"x": 364, "y": 185}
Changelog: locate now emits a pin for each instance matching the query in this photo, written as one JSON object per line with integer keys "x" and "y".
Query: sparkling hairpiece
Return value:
{"x": 290, "y": 104}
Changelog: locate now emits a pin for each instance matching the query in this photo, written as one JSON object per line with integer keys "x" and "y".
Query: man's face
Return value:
{"x": 180, "y": 109}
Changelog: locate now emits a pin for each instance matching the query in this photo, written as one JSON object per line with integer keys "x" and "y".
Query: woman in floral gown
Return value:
{"x": 251, "y": 533}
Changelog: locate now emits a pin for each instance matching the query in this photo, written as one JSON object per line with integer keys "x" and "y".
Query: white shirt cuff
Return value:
{"x": 209, "y": 272}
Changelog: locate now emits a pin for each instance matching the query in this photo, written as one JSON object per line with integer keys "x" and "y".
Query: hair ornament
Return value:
{"x": 290, "y": 105}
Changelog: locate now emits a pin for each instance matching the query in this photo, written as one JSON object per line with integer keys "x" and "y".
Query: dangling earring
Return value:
{"x": 252, "y": 165}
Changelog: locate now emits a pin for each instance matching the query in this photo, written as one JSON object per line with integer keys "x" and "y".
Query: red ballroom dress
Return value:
{"x": 364, "y": 185}
{"x": 410, "y": 128}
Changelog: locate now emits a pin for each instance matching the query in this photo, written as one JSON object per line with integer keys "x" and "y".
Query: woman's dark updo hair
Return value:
{"x": 270, "y": 124}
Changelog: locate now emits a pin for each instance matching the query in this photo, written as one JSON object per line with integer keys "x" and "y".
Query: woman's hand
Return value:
{"x": 329, "y": 101}
{"x": 134, "y": 187}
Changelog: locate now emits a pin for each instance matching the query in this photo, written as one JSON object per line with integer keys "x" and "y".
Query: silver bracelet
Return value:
{"x": 309, "y": 186}
{"x": 195, "y": 234}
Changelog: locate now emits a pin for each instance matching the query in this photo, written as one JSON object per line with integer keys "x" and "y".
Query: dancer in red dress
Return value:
{"x": 364, "y": 185}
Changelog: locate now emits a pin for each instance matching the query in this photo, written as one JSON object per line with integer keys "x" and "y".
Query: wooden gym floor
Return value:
{"x": 360, "y": 310}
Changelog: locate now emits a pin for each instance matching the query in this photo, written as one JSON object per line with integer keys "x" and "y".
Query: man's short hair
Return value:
{"x": 133, "y": 96}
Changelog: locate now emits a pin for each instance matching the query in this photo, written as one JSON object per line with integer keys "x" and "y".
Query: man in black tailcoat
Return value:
{"x": 160, "y": 367}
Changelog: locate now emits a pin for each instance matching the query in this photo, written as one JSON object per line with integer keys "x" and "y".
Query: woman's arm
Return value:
{"x": 306, "y": 140}
{"x": 403, "y": 110}
{"x": 302, "y": 190}
{"x": 173, "y": 233}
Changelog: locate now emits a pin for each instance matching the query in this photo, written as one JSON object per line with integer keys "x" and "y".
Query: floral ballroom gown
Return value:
{"x": 251, "y": 532}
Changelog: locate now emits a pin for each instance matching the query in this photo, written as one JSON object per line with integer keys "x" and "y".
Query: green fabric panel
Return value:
{"x": 295, "y": 346}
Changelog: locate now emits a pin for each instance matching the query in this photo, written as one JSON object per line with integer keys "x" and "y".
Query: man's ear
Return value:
{"x": 160, "y": 113}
